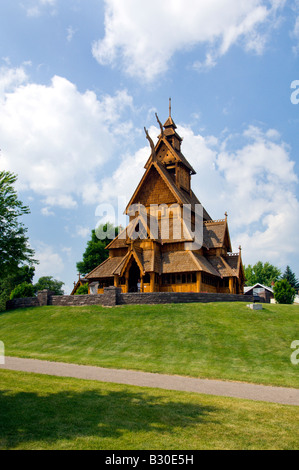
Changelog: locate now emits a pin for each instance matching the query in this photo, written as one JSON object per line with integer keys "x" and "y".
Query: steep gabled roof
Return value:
{"x": 181, "y": 196}
{"x": 214, "y": 234}
{"x": 177, "y": 154}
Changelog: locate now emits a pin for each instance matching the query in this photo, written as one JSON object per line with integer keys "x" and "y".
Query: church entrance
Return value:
{"x": 134, "y": 276}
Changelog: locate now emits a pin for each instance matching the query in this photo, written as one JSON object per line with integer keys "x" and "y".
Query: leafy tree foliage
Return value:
{"x": 9, "y": 281}
{"x": 16, "y": 257}
{"x": 14, "y": 246}
{"x": 289, "y": 276}
{"x": 47, "y": 282}
{"x": 82, "y": 290}
{"x": 95, "y": 252}
{"x": 263, "y": 273}
{"x": 22, "y": 290}
{"x": 284, "y": 293}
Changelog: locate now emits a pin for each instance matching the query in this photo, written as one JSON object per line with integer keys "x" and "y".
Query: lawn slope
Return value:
{"x": 218, "y": 340}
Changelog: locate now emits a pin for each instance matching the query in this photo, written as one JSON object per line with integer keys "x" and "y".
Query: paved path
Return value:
{"x": 286, "y": 396}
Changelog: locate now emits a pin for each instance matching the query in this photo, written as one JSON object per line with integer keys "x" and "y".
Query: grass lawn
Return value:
{"x": 43, "y": 412}
{"x": 217, "y": 340}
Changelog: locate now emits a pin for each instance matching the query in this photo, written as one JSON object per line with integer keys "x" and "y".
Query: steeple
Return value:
{"x": 170, "y": 131}
{"x": 168, "y": 152}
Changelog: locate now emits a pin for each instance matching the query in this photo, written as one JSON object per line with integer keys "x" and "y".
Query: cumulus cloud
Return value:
{"x": 57, "y": 138}
{"x": 82, "y": 231}
{"x": 251, "y": 176}
{"x": 47, "y": 212}
{"x": 34, "y": 8}
{"x": 50, "y": 262}
{"x": 142, "y": 37}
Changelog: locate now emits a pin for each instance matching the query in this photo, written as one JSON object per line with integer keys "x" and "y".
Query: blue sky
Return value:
{"x": 80, "y": 79}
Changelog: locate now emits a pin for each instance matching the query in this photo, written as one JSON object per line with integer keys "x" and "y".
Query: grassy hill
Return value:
{"x": 218, "y": 340}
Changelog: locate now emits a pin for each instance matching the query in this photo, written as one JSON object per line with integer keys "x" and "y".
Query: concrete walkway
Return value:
{"x": 285, "y": 396}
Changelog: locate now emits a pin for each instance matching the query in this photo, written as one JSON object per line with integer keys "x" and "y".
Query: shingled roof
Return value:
{"x": 214, "y": 232}
{"x": 106, "y": 269}
{"x": 222, "y": 266}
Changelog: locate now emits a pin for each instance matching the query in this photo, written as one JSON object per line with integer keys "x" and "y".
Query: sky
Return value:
{"x": 79, "y": 80}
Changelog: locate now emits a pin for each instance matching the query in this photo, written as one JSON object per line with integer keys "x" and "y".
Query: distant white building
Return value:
{"x": 261, "y": 291}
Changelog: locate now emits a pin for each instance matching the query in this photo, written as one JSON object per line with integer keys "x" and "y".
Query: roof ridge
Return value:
{"x": 216, "y": 221}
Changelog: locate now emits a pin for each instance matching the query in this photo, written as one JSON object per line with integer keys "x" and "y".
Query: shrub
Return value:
{"x": 82, "y": 290}
{"x": 22, "y": 290}
{"x": 284, "y": 293}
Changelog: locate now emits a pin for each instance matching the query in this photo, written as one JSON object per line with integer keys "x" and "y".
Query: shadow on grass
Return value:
{"x": 29, "y": 417}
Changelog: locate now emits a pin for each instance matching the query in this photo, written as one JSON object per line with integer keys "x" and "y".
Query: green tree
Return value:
{"x": 262, "y": 273}
{"x": 47, "y": 282}
{"x": 284, "y": 293}
{"x": 14, "y": 245}
{"x": 95, "y": 252}
{"x": 10, "y": 281}
{"x": 16, "y": 257}
{"x": 22, "y": 290}
{"x": 82, "y": 290}
{"x": 289, "y": 276}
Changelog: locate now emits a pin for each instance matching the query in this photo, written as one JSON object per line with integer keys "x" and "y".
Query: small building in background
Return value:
{"x": 260, "y": 291}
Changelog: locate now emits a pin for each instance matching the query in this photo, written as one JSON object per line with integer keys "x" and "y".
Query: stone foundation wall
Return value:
{"x": 22, "y": 303}
{"x": 178, "y": 297}
{"x": 75, "y": 300}
{"x": 113, "y": 296}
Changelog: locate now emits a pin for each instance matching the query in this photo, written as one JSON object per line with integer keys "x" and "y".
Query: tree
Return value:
{"x": 82, "y": 290}
{"x": 261, "y": 273}
{"x": 16, "y": 257}
{"x": 14, "y": 246}
{"x": 95, "y": 252}
{"x": 290, "y": 277}
{"x": 22, "y": 290}
{"x": 47, "y": 282}
{"x": 284, "y": 293}
{"x": 10, "y": 281}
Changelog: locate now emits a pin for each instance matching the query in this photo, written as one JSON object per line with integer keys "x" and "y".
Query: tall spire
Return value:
{"x": 170, "y": 107}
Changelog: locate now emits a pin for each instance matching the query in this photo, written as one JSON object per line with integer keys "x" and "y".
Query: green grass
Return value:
{"x": 218, "y": 340}
{"x": 43, "y": 412}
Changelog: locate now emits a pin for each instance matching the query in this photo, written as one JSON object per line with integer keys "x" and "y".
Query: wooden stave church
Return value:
{"x": 169, "y": 265}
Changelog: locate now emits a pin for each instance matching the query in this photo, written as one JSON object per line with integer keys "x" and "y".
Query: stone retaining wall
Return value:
{"x": 73, "y": 300}
{"x": 178, "y": 297}
{"x": 113, "y": 296}
{"x": 22, "y": 303}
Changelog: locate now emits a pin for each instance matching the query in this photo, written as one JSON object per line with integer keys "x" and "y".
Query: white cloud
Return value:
{"x": 10, "y": 78}
{"x": 142, "y": 37}
{"x": 35, "y": 7}
{"x": 256, "y": 184}
{"x": 70, "y": 33}
{"x": 47, "y": 212}
{"x": 56, "y": 138}
{"x": 50, "y": 262}
{"x": 83, "y": 231}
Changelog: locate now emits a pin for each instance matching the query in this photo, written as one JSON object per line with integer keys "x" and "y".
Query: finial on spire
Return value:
{"x": 169, "y": 107}
{"x": 240, "y": 248}
{"x": 226, "y": 215}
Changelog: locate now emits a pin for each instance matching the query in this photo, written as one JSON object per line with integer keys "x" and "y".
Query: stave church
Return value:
{"x": 168, "y": 259}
